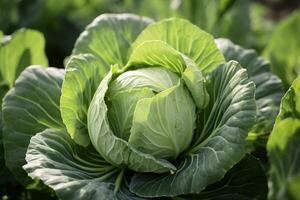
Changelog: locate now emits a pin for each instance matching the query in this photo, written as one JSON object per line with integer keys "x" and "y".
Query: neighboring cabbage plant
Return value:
{"x": 283, "y": 49}
{"x": 143, "y": 110}
{"x": 284, "y": 147}
{"x": 17, "y": 51}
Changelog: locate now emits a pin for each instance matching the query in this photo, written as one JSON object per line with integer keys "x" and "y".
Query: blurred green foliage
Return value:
{"x": 283, "y": 49}
{"x": 242, "y": 21}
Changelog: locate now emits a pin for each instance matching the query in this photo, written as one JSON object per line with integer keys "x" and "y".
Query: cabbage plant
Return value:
{"x": 17, "y": 51}
{"x": 143, "y": 110}
{"x": 284, "y": 147}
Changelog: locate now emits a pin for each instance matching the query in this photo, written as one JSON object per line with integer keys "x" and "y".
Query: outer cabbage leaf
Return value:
{"x": 284, "y": 147}
{"x": 219, "y": 141}
{"x": 85, "y": 72}
{"x": 113, "y": 149}
{"x": 28, "y": 108}
{"x": 73, "y": 171}
{"x": 283, "y": 49}
{"x": 188, "y": 40}
{"x": 25, "y": 47}
{"x": 109, "y": 37}
{"x": 268, "y": 91}
{"x": 245, "y": 181}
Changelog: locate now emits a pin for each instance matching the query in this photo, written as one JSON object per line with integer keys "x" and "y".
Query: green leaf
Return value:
{"x": 28, "y": 108}
{"x": 219, "y": 140}
{"x": 196, "y": 83}
{"x": 163, "y": 125}
{"x": 73, "y": 171}
{"x": 290, "y": 103}
{"x": 284, "y": 151}
{"x": 188, "y": 40}
{"x": 155, "y": 78}
{"x": 120, "y": 112}
{"x": 284, "y": 53}
{"x": 116, "y": 150}
{"x": 25, "y": 47}
{"x": 268, "y": 91}
{"x": 245, "y": 181}
{"x": 284, "y": 147}
{"x": 85, "y": 72}
{"x": 109, "y": 37}
{"x": 158, "y": 53}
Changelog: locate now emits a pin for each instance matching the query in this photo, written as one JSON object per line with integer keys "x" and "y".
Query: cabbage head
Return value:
{"x": 143, "y": 110}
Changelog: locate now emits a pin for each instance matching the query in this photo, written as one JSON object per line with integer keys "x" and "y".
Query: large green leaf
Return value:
{"x": 85, "y": 72}
{"x": 73, "y": 171}
{"x": 283, "y": 49}
{"x": 188, "y": 40}
{"x": 245, "y": 181}
{"x": 109, "y": 37}
{"x": 268, "y": 91}
{"x": 114, "y": 149}
{"x": 284, "y": 147}
{"x": 219, "y": 141}
{"x": 25, "y": 47}
{"x": 28, "y": 108}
